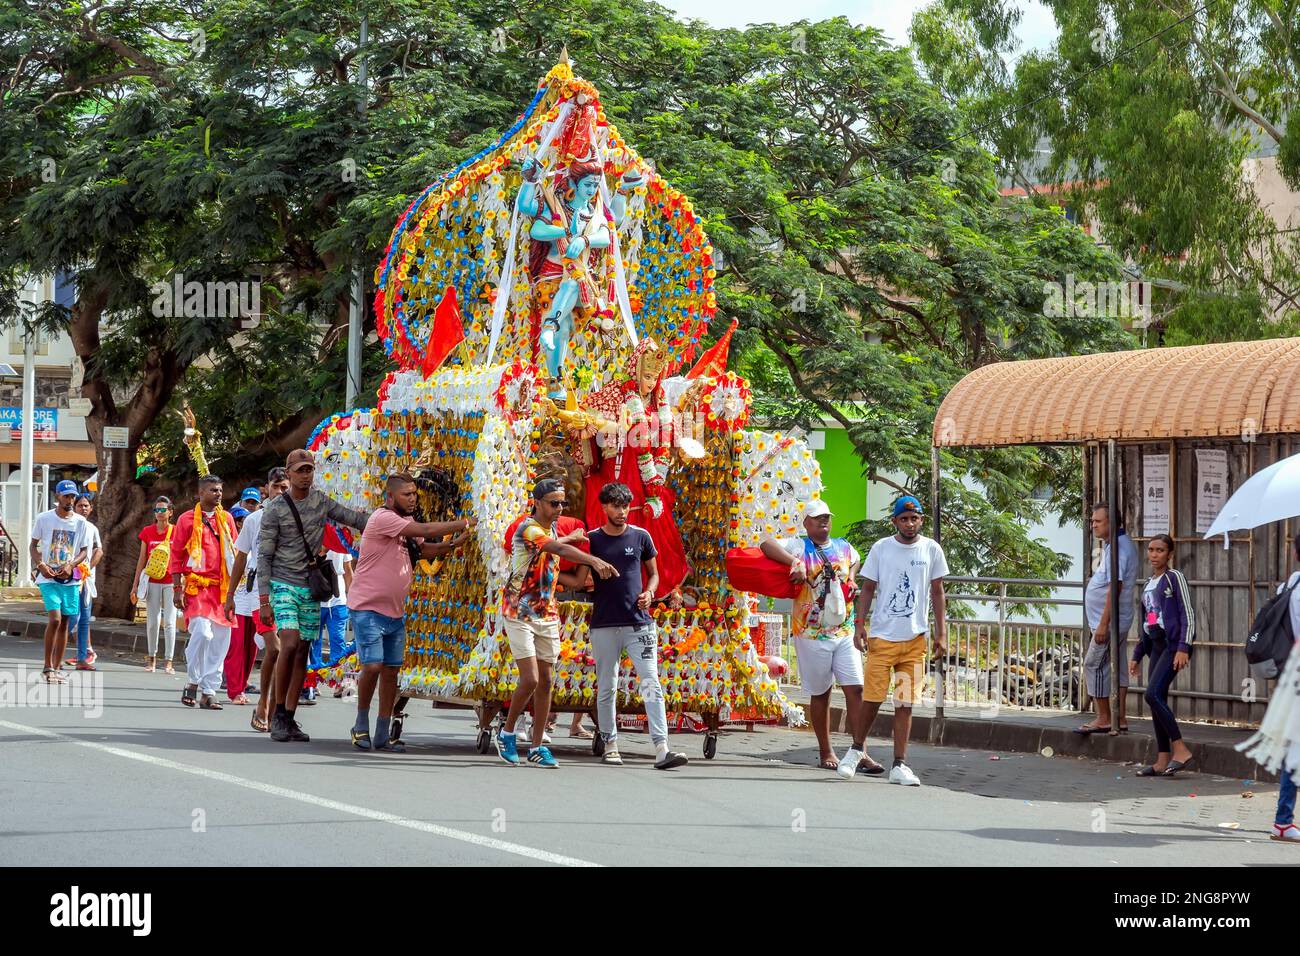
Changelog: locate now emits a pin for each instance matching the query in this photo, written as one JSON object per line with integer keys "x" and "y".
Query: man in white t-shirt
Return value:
{"x": 908, "y": 570}
{"x": 242, "y": 602}
{"x": 58, "y": 546}
{"x": 824, "y": 638}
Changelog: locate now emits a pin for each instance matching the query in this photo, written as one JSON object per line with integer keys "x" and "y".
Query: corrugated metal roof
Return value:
{"x": 1201, "y": 391}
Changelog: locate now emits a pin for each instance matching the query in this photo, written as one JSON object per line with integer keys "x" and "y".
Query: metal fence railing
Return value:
{"x": 990, "y": 663}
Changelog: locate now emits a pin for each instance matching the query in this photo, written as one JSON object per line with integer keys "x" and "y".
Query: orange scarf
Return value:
{"x": 194, "y": 548}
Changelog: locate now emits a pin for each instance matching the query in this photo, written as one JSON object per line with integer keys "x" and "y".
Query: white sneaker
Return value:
{"x": 1288, "y": 833}
{"x": 903, "y": 774}
{"x": 849, "y": 764}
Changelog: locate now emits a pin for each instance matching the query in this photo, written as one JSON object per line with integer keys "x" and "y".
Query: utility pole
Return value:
{"x": 358, "y": 284}
{"x": 27, "y": 452}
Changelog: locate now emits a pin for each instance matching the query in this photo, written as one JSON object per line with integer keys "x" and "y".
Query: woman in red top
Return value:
{"x": 157, "y": 590}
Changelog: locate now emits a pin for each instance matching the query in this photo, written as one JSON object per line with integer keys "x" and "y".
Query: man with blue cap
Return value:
{"x": 58, "y": 547}
{"x": 250, "y": 499}
{"x": 908, "y": 569}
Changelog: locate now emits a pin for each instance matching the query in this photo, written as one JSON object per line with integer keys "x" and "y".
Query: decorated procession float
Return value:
{"x": 544, "y": 304}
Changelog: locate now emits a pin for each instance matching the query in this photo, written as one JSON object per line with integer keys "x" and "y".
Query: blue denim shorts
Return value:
{"x": 380, "y": 639}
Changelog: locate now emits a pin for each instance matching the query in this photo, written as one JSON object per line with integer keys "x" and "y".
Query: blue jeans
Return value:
{"x": 1285, "y": 797}
{"x": 80, "y": 624}
{"x": 380, "y": 639}
{"x": 334, "y": 621}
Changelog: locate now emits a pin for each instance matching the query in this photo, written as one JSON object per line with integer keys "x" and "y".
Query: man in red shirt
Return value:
{"x": 202, "y": 548}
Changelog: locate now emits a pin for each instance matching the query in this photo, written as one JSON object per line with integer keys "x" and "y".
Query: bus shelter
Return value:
{"x": 1166, "y": 435}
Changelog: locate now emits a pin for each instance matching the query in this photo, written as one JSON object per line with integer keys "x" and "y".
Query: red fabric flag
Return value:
{"x": 332, "y": 541}
{"x": 714, "y": 361}
{"x": 446, "y": 334}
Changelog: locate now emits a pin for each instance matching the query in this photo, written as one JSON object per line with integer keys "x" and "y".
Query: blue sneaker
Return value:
{"x": 542, "y": 757}
{"x": 507, "y": 749}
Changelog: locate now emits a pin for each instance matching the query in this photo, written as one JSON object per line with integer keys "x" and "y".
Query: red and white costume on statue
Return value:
{"x": 638, "y": 455}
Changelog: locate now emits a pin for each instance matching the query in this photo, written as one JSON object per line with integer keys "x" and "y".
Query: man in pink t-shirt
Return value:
{"x": 377, "y": 599}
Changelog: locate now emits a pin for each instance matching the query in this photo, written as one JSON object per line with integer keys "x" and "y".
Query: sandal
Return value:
{"x": 239, "y": 699}
{"x": 47, "y": 674}
{"x": 210, "y": 703}
{"x": 59, "y": 677}
{"x": 361, "y": 739}
{"x": 828, "y": 763}
{"x": 1149, "y": 772}
{"x": 170, "y": 669}
{"x": 260, "y": 725}
{"x": 92, "y": 656}
{"x": 1177, "y": 765}
{"x": 870, "y": 767}
{"x": 582, "y": 733}
{"x": 1087, "y": 729}
{"x": 190, "y": 695}
{"x": 150, "y": 665}
{"x": 392, "y": 746}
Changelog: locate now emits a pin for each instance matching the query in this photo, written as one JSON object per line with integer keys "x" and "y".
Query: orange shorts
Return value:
{"x": 904, "y": 660}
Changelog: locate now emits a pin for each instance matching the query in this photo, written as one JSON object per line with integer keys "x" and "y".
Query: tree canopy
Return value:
{"x": 864, "y": 244}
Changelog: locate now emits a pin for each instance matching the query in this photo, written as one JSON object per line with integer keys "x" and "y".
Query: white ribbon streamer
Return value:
{"x": 505, "y": 287}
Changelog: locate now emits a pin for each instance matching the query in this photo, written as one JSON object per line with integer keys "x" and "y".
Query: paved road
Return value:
{"x": 147, "y": 781}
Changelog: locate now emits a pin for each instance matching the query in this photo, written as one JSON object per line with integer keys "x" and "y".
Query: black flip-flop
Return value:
{"x": 1086, "y": 731}
{"x": 1177, "y": 765}
{"x": 1149, "y": 772}
{"x": 872, "y": 769}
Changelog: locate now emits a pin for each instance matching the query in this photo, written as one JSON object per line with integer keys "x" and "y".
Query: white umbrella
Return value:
{"x": 1270, "y": 495}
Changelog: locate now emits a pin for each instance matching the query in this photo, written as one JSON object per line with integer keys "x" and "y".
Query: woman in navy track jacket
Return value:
{"x": 1168, "y": 629}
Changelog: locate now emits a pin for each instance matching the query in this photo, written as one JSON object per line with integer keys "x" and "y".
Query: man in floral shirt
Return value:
{"x": 532, "y": 618}
{"x": 823, "y": 621}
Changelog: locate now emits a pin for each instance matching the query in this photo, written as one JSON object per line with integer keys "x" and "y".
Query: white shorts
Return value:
{"x": 539, "y": 639}
{"x": 825, "y": 663}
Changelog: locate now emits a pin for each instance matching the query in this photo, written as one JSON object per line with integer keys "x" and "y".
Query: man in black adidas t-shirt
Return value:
{"x": 620, "y": 620}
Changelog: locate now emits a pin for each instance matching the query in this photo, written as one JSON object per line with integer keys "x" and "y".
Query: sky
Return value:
{"x": 893, "y": 17}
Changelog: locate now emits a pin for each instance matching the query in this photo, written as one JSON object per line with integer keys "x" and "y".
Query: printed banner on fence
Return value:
{"x": 1155, "y": 495}
{"x": 1211, "y": 486}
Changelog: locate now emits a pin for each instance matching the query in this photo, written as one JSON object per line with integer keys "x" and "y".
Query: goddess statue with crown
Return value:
{"x": 571, "y": 232}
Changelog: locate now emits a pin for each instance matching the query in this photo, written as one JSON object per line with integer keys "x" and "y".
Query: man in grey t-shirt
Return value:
{"x": 283, "y": 561}
{"x": 1096, "y": 605}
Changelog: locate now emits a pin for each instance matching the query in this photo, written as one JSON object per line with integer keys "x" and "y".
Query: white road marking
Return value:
{"x": 379, "y": 816}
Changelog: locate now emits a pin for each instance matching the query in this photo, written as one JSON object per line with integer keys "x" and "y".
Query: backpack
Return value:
{"x": 159, "y": 557}
{"x": 834, "y": 607}
{"x": 1271, "y": 637}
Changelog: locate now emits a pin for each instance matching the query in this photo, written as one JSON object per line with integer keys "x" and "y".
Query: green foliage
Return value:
{"x": 865, "y": 246}
{"x": 1149, "y": 110}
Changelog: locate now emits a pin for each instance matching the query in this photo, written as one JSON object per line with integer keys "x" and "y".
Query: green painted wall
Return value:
{"x": 844, "y": 485}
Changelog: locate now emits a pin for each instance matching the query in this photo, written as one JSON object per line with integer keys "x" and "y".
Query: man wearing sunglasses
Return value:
{"x": 532, "y": 618}
{"x": 284, "y": 561}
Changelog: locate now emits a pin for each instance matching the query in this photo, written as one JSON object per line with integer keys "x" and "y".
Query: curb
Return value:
{"x": 1220, "y": 759}
{"x": 108, "y": 633}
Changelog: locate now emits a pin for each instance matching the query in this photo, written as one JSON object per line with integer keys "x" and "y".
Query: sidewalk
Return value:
{"x": 25, "y": 620}
{"x": 1013, "y": 730}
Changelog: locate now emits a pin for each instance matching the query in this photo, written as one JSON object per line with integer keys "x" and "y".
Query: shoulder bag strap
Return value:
{"x": 288, "y": 497}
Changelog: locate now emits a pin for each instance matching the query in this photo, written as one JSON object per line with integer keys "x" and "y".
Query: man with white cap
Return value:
{"x": 823, "y": 621}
